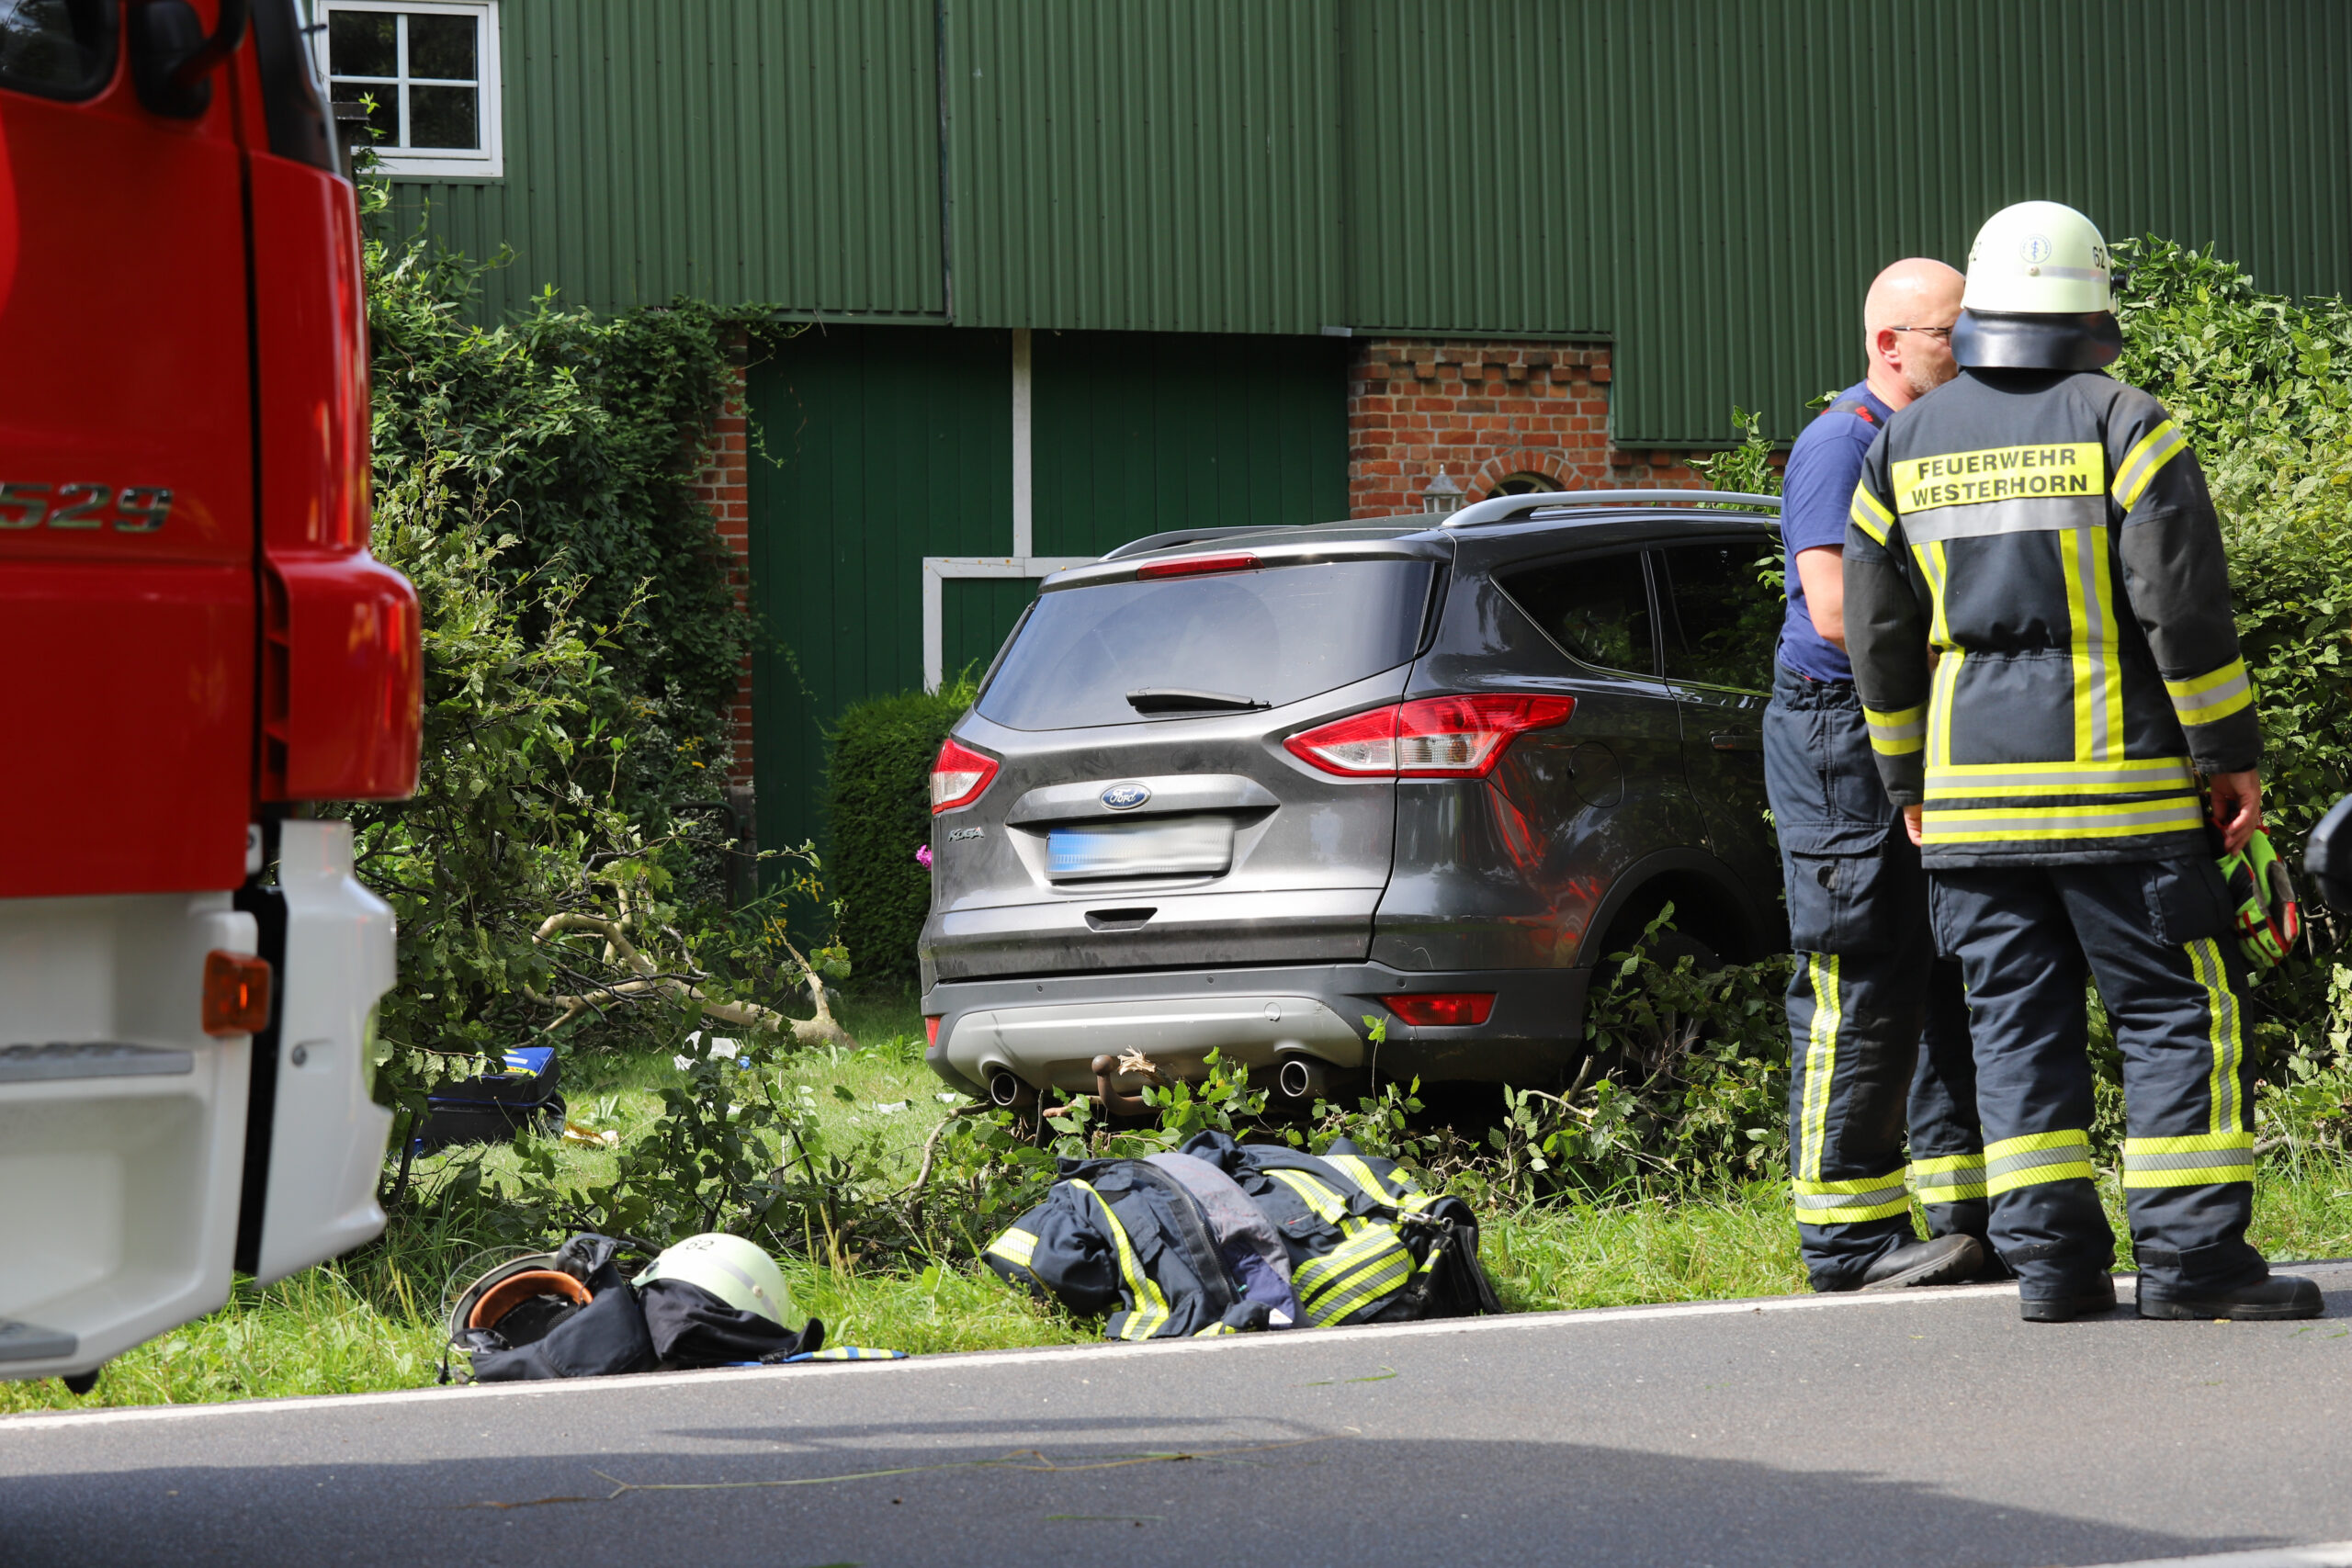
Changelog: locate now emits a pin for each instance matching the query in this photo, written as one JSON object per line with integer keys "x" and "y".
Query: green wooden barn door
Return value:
{"x": 878, "y": 446}
{"x": 1140, "y": 432}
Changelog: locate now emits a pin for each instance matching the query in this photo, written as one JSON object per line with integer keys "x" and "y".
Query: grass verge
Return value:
{"x": 371, "y": 1321}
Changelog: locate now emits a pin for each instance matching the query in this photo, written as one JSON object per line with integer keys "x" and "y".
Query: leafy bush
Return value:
{"x": 2263, "y": 385}
{"x": 581, "y": 644}
{"x": 878, "y": 809}
{"x": 580, "y": 434}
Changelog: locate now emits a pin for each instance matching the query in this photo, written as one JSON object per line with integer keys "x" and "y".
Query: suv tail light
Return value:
{"x": 1197, "y": 566}
{"x": 1430, "y": 737}
{"x": 1442, "y": 1009}
{"x": 960, "y": 777}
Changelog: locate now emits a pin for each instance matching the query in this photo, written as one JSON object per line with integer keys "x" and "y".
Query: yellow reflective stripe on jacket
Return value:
{"x": 1820, "y": 1061}
{"x": 1017, "y": 1247}
{"x": 1356, "y": 1170}
{"x": 2222, "y": 1028}
{"x": 1941, "y": 685}
{"x": 1151, "y": 1307}
{"x": 1850, "y": 1202}
{"x": 2035, "y": 1158}
{"x": 2039, "y": 471}
{"x": 2099, "y": 676}
{"x": 1360, "y": 1269}
{"x": 1932, "y": 566}
{"x": 2201, "y": 1160}
{"x": 1318, "y": 1195}
{"x": 1868, "y": 514}
{"x": 1904, "y": 729}
{"x": 2117, "y": 819}
{"x": 1947, "y": 1179}
{"x": 2141, "y": 465}
{"x": 2212, "y": 698}
{"x": 1979, "y": 781}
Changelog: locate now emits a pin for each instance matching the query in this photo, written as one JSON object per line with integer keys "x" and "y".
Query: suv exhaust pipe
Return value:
{"x": 1009, "y": 1092}
{"x": 1302, "y": 1080}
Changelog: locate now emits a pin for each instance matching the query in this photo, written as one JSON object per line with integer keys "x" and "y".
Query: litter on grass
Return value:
{"x": 720, "y": 1047}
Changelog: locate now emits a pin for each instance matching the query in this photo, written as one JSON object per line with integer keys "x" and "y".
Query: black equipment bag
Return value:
{"x": 607, "y": 1335}
{"x": 491, "y": 1108}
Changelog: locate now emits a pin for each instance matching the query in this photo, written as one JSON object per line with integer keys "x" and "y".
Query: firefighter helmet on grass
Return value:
{"x": 2040, "y": 294}
{"x": 730, "y": 1267}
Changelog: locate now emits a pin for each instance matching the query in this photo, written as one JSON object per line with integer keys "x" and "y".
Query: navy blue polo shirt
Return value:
{"x": 1815, "y": 495}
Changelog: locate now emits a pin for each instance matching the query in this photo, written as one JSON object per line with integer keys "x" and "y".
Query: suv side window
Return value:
{"x": 1722, "y": 623}
{"x": 1596, "y": 607}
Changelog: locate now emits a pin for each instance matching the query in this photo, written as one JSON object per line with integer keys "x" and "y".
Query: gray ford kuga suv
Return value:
{"x": 1242, "y": 788}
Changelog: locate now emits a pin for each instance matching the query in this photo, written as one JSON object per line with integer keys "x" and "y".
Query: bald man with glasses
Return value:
{"x": 1878, "y": 1024}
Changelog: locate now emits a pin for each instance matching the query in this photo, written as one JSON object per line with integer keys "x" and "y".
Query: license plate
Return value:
{"x": 1182, "y": 847}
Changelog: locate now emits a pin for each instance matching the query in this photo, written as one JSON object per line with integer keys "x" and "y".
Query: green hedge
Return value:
{"x": 877, "y": 806}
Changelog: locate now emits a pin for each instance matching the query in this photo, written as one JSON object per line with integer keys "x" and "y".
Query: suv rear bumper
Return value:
{"x": 1046, "y": 1032}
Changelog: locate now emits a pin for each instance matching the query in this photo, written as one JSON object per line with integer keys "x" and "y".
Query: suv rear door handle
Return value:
{"x": 1738, "y": 740}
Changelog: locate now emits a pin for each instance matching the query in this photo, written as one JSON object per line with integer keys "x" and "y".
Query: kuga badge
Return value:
{"x": 1125, "y": 796}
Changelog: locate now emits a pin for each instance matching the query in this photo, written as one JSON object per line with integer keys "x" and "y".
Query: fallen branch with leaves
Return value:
{"x": 653, "y": 980}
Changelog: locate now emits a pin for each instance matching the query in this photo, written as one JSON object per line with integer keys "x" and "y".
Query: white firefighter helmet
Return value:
{"x": 2040, "y": 295}
{"x": 730, "y": 1267}
{"x": 2039, "y": 258}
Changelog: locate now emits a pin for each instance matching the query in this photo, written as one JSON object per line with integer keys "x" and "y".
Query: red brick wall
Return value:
{"x": 1483, "y": 411}
{"x": 723, "y": 483}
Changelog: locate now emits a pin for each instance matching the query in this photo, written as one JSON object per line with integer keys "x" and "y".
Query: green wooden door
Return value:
{"x": 1138, "y": 432}
{"x": 876, "y": 446}
{"x": 879, "y": 446}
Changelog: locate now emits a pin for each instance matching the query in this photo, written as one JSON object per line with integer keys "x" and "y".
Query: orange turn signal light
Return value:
{"x": 236, "y": 992}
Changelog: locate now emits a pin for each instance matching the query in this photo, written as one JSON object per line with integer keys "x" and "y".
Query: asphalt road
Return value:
{"x": 1929, "y": 1428}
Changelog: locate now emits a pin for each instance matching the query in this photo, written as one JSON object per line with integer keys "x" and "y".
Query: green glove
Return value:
{"x": 2269, "y": 920}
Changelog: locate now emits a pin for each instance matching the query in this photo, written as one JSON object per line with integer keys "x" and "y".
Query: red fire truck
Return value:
{"x": 198, "y": 648}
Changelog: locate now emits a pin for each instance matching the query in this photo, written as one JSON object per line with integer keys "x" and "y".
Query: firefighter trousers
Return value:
{"x": 2155, "y": 936}
{"x": 1878, "y": 1026}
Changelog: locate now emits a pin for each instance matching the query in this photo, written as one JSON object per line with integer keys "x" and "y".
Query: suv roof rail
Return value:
{"x": 1175, "y": 537}
{"x": 1508, "y": 508}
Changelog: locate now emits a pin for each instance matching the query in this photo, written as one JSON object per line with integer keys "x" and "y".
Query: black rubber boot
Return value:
{"x": 1946, "y": 1261}
{"x": 2269, "y": 1299}
{"x": 2088, "y": 1302}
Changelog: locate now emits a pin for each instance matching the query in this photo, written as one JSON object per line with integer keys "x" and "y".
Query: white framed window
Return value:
{"x": 430, "y": 69}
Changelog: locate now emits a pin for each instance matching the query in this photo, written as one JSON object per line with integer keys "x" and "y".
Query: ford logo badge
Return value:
{"x": 1125, "y": 796}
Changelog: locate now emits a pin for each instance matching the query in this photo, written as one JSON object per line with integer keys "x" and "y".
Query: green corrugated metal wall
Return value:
{"x": 773, "y": 151}
{"x": 1711, "y": 184}
{"x": 876, "y": 446}
{"x": 1163, "y": 165}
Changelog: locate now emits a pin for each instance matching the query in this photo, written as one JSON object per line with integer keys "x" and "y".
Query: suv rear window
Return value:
{"x": 1273, "y": 636}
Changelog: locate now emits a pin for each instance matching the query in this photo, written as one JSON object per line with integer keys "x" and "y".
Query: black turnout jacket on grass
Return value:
{"x": 1365, "y": 1243}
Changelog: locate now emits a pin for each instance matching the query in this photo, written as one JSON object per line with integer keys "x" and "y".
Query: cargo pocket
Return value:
{"x": 2187, "y": 901}
{"x": 1847, "y": 893}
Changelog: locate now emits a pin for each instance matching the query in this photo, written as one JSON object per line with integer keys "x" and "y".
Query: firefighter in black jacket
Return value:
{"x": 2038, "y": 612}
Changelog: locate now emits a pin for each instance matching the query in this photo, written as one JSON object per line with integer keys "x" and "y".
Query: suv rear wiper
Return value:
{"x": 1178, "y": 699}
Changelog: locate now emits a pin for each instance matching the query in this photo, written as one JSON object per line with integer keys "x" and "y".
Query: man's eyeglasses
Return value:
{"x": 1943, "y": 333}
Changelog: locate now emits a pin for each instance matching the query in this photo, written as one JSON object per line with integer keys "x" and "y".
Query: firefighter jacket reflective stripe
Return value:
{"x": 2037, "y": 613}
{"x": 1365, "y": 1243}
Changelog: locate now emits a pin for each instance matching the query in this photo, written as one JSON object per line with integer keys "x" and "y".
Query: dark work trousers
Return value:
{"x": 2156, "y": 937}
{"x": 1875, "y": 1018}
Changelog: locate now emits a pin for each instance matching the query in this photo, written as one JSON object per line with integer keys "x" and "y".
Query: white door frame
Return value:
{"x": 938, "y": 570}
